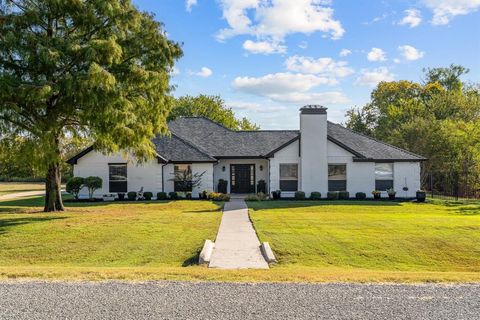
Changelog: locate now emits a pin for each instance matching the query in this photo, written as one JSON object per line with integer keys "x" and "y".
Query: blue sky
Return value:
{"x": 267, "y": 58}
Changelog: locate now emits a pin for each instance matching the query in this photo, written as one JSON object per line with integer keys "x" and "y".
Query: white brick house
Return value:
{"x": 321, "y": 156}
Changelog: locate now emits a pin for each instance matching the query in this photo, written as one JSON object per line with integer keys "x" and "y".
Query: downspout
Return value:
{"x": 269, "y": 178}
{"x": 163, "y": 183}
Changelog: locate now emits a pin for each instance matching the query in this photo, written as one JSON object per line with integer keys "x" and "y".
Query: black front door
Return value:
{"x": 242, "y": 177}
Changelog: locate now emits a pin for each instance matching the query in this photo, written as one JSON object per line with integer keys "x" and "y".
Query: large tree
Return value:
{"x": 211, "y": 107}
{"x": 73, "y": 68}
{"x": 438, "y": 118}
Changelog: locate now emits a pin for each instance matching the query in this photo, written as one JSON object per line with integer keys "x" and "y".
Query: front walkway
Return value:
{"x": 237, "y": 245}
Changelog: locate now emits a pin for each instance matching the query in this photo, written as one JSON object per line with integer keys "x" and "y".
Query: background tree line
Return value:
{"x": 438, "y": 118}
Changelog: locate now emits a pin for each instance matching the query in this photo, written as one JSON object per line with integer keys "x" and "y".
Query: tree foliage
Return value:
{"x": 97, "y": 69}
{"x": 439, "y": 119}
{"x": 211, "y": 107}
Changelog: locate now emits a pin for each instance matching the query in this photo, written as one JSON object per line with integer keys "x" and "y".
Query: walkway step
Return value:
{"x": 237, "y": 245}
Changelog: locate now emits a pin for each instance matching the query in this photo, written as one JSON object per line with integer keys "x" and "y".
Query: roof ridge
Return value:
{"x": 203, "y": 117}
{"x": 193, "y": 146}
{"x": 371, "y": 138}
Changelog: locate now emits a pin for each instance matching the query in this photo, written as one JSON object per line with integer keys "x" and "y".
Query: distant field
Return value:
{"x": 14, "y": 187}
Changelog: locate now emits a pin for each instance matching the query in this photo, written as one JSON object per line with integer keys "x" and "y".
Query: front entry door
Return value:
{"x": 242, "y": 177}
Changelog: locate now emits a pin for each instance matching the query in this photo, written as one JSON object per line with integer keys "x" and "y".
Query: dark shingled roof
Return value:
{"x": 198, "y": 139}
{"x": 221, "y": 142}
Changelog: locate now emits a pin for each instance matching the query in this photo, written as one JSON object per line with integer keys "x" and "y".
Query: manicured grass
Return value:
{"x": 107, "y": 235}
{"x": 368, "y": 236}
{"x": 14, "y": 187}
{"x": 161, "y": 241}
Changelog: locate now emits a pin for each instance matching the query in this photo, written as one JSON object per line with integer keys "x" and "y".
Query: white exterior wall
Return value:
{"x": 207, "y": 178}
{"x": 313, "y": 140}
{"x": 148, "y": 175}
{"x": 289, "y": 154}
{"x": 225, "y": 175}
{"x": 406, "y": 174}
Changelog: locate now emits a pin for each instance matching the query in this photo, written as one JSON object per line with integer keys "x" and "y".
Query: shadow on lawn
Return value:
{"x": 283, "y": 204}
{"x": 8, "y": 223}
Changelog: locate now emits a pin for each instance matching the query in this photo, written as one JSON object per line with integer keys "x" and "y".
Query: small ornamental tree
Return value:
{"x": 186, "y": 181}
{"x": 74, "y": 185}
{"x": 93, "y": 184}
{"x": 71, "y": 69}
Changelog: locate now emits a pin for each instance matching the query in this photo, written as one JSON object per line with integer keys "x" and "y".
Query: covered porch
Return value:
{"x": 242, "y": 175}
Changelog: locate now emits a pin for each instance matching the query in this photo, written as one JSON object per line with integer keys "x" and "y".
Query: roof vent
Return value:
{"x": 313, "y": 109}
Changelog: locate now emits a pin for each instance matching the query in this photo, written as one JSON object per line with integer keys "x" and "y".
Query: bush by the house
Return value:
{"x": 261, "y": 186}
{"x": 343, "y": 195}
{"x": 132, "y": 196}
{"x": 276, "y": 195}
{"x": 203, "y": 195}
{"x": 360, "y": 196}
{"x": 74, "y": 185}
{"x": 188, "y": 196}
{"x": 222, "y": 186}
{"x": 257, "y": 197}
{"x": 148, "y": 195}
{"x": 162, "y": 196}
{"x": 217, "y": 196}
{"x": 315, "y": 195}
{"x": 121, "y": 196}
{"x": 299, "y": 195}
{"x": 92, "y": 184}
{"x": 332, "y": 195}
{"x": 174, "y": 195}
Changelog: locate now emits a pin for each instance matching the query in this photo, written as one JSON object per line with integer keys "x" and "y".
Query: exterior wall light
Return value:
{"x": 223, "y": 168}
{"x": 261, "y": 167}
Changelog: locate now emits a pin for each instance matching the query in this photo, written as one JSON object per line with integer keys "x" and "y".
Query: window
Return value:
{"x": 383, "y": 176}
{"x": 183, "y": 178}
{"x": 337, "y": 177}
{"x": 289, "y": 177}
{"x": 117, "y": 174}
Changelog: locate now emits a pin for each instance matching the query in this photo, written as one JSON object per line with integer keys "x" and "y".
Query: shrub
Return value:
{"x": 343, "y": 195}
{"x": 74, "y": 185}
{"x": 315, "y": 195}
{"x": 161, "y": 196}
{"x": 222, "y": 186}
{"x": 332, "y": 195}
{"x": 299, "y": 195}
{"x": 203, "y": 195}
{"x": 148, "y": 195}
{"x": 216, "y": 196}
{"x": 360, "y": 195}
{"x": 276, "y": 195}
{"x": 173, "y": 195}
{"x": 188, "y": 195}
{"x": 261, "y": 186}
{"x": 92, "y": 184}
{"x": 132, "y": 196}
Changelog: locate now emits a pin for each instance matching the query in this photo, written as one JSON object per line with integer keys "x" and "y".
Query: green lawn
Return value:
{"x": 14, "y": 187}
{"x": 383, "y": 236}
{"x": 105, "y": 235}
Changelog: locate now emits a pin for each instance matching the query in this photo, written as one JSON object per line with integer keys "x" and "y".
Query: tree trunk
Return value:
{"x": 53, "y": 194}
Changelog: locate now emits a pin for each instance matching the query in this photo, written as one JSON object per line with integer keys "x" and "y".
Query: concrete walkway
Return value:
{"x": 22, "y": 194}
{"x": 237, "y": 245}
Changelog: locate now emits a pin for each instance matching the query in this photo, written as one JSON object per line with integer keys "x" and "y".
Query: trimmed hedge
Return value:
{"x": 132, "y": 196}
{"x": 332, "y": 195}
{"x": 315, "y": 195}
{"x": 162, "y": 196}
{"x": 299, "y": 195}
{"x": 148, "y": 195}
{"x": 216, "y": 196}
{"x": 343, "y": 195}
{"x": 360, "y": 196}
{"x": 174, "y": 195}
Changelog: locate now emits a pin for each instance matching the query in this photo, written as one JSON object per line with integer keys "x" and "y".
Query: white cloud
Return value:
{"x": 175, "y": 71}
{"x": 376, "y": 54}
{"x": 345, "y": 52}
{"x": 204, "y": 72}
{"x": 190, "y": 3}
{"x": 413, "y": 18}
{"x": 279, "y": 18}
{"x": 445, "y": 10}
{"x": 326, "y": 67}
{"x": 373, "y": 77}
{"x": 410, "y": 53}
{"x": 303, "y": 45}
{"x": 264, "y": 47}
{"x": 290, "y": 87}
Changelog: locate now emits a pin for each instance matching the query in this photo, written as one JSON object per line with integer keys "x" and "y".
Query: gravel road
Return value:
{"x": 180, "y": 300}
